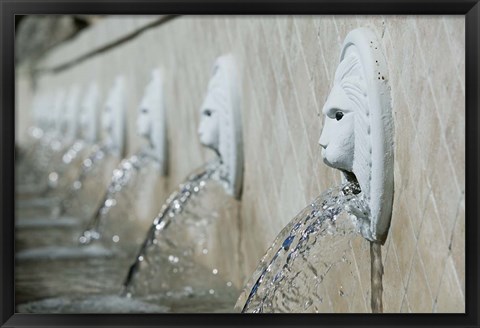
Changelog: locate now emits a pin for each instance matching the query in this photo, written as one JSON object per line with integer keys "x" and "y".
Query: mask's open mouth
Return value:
{"x": 350, "y": 176}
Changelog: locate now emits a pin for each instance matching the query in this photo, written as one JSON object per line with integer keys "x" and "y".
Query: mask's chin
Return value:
{"x": 211, "y": 146}
{"x": 349, "y": 175}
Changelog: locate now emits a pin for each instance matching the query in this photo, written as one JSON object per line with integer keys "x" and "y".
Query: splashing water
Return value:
{"x": 67, "y": 162}
{"x": 121, "y": 177}
{"x": 98, "y": 154}
{"x": 31, "y": 173}
{"x": 302, "y": 271}
{"x": 174, "y": 205}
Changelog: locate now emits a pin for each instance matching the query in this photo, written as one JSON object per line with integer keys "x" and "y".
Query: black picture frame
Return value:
{"x": 10, "y": 8}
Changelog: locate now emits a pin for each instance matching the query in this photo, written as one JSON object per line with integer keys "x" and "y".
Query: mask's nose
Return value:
{"x": 199, "y": 130}
{"x": 325, "y": 136}
{"x": 322, "y": 142}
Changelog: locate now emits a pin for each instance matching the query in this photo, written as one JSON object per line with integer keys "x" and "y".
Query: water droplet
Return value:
{"x": 77, "y": 185}
{"x": 229, "y": 283}
{"x": 117, "y": 174}
{"x": 205, "y": 251}
{"x": 160, "y": 225}
{"x": 67, "y": 158}
{"x": 211, "y": 291}
{"x": 140, "y": 258}
{"x": 53, "y": 176}
{"x": 110, "y": 202}
{"x": 214, "y": 271}
{"x": 116, "y": 239}
{"x": 87, "y": 163}
{"x": 287, "y": 242}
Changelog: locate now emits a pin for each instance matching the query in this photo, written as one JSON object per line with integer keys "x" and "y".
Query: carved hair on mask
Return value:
{"x": 357, "y": 136}
{"x": 345, "y": 104}
{"x": 220, "y": 127}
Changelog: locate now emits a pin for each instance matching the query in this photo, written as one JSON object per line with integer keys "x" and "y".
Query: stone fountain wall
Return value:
{"x": 287, "y": 66}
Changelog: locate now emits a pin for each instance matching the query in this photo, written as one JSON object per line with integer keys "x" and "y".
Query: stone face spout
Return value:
{"x": 113, "y": 120}
{"x": 151, "y": 120}
{"x": 88, "y": 114}
{"x": 220, "y": 127}
{"x": 57, "y": 111}
{"x": 70, "y": 118}
{"x": 357, "y": 136}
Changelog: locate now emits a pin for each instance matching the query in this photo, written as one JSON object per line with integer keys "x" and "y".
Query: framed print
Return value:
{"x": 274, "y": 164}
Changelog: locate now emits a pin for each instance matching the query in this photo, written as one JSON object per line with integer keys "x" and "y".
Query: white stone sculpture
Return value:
{"x": 39, "y": 104}
{"x": 220, "y": 127}
{"x": 89, "y": 114}
{"x": 357, "y": 136}
{"x": 70, "y": 118}
{"x": 57, "y": 113}
{"x": 151, "y": 121}
{"x": 113, "y": 120}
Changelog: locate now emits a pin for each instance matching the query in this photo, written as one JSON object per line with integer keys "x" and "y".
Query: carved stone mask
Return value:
{"x": 144, "y": 126}
{"x": 113, "y": 120}
{"x": 357, "y": 136}
{"x": 144, "y": 118}
{"x": 208, "y": 130}
{"x": 107, "y": 119}
{"x": 220, "y": 125}
{"x": 88, "y": 108}
{"x": 209, "y": 127}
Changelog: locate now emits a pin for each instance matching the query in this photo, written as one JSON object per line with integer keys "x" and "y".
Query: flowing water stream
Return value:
{"x": 303, "y": 272}
{"x": 310, "y": 267}
{"x": 174, "y": 205}
{"x": 177, "y": 263}
{"x": 65, "y": 167}
{"x": 91, "y": 281}
{"x": 121, "y": 177}
{"x": 95, "y": 159}
{"x": 34, "y": 167}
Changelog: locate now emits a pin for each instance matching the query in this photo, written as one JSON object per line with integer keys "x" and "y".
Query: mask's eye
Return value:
{"x": 338, "y": 116}
{"x": 144, "y": 111}
{"x": 207, "y": 112}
